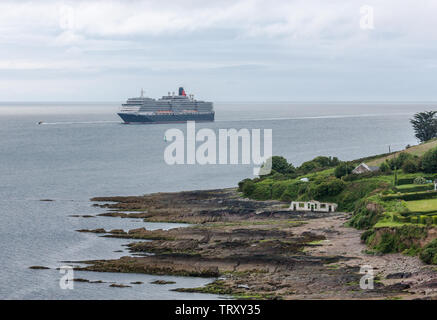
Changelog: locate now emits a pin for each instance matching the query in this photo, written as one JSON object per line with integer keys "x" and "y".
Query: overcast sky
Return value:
{"x": 219, "y": 50}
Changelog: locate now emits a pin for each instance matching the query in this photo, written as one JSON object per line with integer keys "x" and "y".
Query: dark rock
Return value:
{"x": 399, "y": 275}
{"x": 116, "y": 285}
{"x": 162, "y": 282}
{"x": 100, "y": 230}
{"x": 397, "y": 287}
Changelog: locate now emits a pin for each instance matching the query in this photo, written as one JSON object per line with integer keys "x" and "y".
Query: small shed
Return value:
{"x": 313, "y": 205}
{"x": 363, "y": 168}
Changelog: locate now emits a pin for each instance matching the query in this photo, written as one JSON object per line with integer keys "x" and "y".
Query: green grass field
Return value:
{"x": 422, "y": 205}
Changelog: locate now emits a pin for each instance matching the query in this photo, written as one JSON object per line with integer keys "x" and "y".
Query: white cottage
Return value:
{"x": 313, "y": 205}
{"x": 362, "y": 168}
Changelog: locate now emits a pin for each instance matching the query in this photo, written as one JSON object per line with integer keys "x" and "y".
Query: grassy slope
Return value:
{"x": 414, "y": 150}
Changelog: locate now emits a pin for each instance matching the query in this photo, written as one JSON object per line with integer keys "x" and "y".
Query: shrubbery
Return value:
{"x": 411, "y": 196}
{"x": 248, "y": 187}
{"x": 317, "y": 164}
{"x": 429, "y": 161}
{"x": 328, "y": 188}
{"x": 364, "y": 218}
{"x": 411, "y": 166}
{"x": 419, "y": 180}
{"x": 398, "y": 161}
{"x": 343, "y": 169}
{"x": 399, "y": 239}
{"x": 429, "y": 253}
{"x": 384, "y": 167}
{"x": 418, "y": 188}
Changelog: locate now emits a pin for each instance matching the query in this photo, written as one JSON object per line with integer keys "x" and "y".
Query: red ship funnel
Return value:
{"x": 182, "y": 91}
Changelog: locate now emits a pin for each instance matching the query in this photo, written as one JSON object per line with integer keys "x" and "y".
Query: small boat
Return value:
{"x": 40, "y": 122}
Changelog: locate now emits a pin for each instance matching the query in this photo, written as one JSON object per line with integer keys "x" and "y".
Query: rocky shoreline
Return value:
{"x": 256, "y": 249}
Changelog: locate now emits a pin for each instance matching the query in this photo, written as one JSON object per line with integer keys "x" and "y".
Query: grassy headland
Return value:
{"x": 397, "y": 205}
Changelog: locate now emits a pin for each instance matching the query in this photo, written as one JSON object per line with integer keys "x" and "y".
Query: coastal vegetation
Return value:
{"x": 396, "y": 205}
{"x": 425, "y": 125}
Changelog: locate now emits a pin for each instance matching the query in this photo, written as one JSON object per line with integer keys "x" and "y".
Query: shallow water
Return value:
{"x": 84, "y": 151}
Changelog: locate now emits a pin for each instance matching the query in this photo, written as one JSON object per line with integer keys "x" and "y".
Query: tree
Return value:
{"x": 280, "y": 164}
{"x": 410, "y": 166}
{"x": 425, "y": 125}
{"x": 385, "y": 167}
{"x": 343, "y": 169}
{"x": 429, "y": 161}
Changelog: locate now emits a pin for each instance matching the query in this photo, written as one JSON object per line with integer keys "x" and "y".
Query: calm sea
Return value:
{"x": 82, "y": 151}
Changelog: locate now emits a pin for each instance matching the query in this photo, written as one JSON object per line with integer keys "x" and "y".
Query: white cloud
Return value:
{"x": 300, "y": 38}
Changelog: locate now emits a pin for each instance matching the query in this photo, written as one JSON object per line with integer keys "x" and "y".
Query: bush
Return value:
{"x": 294, "y": 190}
{"x": 410, "y": 166}
{"x": 343, "y": 169}
{"x": 329, "y": 188}
{"x": 262, "y": 192}
{"x": 317, "y": 164}
{"x": 398, "y": 161}
{"x": 429, "y": 161}
{"x": 419, "y": 180}
{"x": 384, "y": 167}
{"x": 387, "y": 244}
{"x": 429, "y": 253}
{"x": 248, "y": 187}
{"x": 400, "y": 239}
{"x": 278, "y": 189}
{"x": 364, "y": 218}
{"x": 367, "y": 234}
{"x": 241, "y": 184}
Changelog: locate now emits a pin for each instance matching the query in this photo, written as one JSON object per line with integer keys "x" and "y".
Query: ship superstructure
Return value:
{"x": 169, "y": 108}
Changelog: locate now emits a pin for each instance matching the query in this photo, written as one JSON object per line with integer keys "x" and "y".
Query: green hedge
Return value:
{"x": 416, "y": 188}
{"x": 417, "y": 219}
{"x": 410, "y": 196}
{"x": 402, "y": 181}
{"x": 410, "y": 180}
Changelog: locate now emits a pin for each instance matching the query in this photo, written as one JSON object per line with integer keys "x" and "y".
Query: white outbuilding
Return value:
{"x": 313, "y": 205}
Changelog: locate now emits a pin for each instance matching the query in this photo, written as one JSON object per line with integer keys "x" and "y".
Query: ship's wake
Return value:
{"x": 77, "y": 122}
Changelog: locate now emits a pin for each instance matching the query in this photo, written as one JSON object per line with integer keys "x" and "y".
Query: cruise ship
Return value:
{"x": 170, "y": 108}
